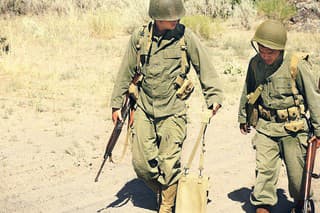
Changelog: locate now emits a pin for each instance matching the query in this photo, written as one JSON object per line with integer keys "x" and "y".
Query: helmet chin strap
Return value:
{"x": 254, "y": 47}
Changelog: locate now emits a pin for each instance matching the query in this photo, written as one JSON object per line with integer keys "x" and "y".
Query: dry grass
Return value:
{"x": 56, "y": 59}
{"x": 74, "y": 58}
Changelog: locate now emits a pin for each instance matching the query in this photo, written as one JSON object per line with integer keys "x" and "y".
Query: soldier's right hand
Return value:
{"x": 116, "y": 115}
{"x": 244, "y": 128}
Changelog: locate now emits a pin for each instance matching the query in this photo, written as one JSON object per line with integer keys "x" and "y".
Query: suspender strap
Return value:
{"x": 293, "y": 71}
{"x": 183, "y": 47}
{"x": 295, "y": 58}
{"x": 138, "y": 46}
{"x": 201, "y": 138}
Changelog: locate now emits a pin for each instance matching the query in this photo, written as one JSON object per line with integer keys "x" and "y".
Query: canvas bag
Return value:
{"x": 193, "y": 189}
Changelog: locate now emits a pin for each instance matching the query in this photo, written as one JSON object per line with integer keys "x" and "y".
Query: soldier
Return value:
{"x": 282, "y": 87}
{"x": 163, "y": 50}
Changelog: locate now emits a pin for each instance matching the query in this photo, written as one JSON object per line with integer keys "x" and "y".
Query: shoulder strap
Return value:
{"x": 295, "y": 58}
{"x": 138, "y": 45}
{"x": 201, "y": 138}
{"x": 183, "y": 47}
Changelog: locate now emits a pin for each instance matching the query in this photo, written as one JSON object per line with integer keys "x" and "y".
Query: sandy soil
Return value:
{"x": 49, "y": 156}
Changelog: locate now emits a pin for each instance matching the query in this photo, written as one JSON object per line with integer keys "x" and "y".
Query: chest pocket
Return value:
{"x": 280, "y": 86}
{"x": 172, "y": 59}
{"x": 172, "y": 53}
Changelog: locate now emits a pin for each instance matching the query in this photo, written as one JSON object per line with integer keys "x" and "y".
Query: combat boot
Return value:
{"x": 168, "y": 196}
{"x": 262, "y": 210}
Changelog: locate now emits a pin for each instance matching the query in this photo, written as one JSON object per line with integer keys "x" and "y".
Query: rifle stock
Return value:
{"x": 310, "y": 158}
{"x": 308, "y": 204}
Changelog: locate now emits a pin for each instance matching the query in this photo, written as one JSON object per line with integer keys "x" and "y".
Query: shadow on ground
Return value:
{"x": 243, "y": 196}
{"x": 136, "y": 192}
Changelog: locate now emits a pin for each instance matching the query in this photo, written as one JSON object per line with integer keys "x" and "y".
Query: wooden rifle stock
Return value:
{"x": 308, "y": 204}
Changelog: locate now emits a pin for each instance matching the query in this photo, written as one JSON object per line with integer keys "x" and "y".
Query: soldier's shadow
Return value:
{"x": 242, "y": 195}
{"x": 136, "y": 192}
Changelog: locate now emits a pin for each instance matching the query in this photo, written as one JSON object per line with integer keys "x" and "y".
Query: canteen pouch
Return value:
{"x": 294, "y": 126}
{"x": 185, "y": 90}
{"x": 192, "y": 194}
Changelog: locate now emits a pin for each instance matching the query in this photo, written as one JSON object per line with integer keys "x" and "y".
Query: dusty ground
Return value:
{"x": 54, "y": 128}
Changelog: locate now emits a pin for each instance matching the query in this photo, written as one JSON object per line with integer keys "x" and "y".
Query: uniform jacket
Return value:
{"x": 161, "y": 66}
{"x": 277, "y": 92}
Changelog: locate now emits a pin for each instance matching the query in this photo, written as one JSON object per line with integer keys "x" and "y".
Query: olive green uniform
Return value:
{"x": 159, "y": 127}
{"x": 273, "y": 141}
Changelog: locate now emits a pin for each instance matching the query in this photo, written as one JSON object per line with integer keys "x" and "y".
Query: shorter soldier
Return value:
{"x": 279, "y": 90}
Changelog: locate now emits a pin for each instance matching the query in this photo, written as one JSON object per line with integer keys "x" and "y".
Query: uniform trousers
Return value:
{"x": 156, "y": 148}
{"x": 270, "y": 152}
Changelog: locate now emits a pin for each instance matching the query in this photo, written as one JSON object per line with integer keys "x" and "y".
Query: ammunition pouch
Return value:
{"x": 294, "y": 126}
{"x": 282, "y": 115}
{"x": 184, "y": 88}
{"x": 291, "y": 117}
{"x": 293, "y": 113}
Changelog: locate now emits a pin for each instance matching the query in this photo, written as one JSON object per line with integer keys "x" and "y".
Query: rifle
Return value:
{"x": 308, "y": 204}
{"x": 127, "y": 109}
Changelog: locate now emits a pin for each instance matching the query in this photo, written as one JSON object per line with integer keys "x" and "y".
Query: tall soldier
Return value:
{"x": 162, "y": 51}
{"x": 282, "y": 88}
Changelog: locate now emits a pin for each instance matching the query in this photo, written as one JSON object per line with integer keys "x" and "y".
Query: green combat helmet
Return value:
{"x": 167, "y": 10}
{"x": 271, "y": 34}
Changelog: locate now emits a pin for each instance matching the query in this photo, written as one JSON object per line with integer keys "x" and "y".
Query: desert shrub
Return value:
{"x": 212, "y": 8}
{"x": 23, "y": 7}
{"x": 276, "y": 9}
{"x": 204, "y": 26}
{"x": 104, "y": 23}
{"x": 244, "y": 12}
{"x": 233, "y": 69}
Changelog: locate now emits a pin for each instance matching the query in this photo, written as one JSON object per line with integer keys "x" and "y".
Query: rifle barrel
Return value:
{"x": 98, "y": 174}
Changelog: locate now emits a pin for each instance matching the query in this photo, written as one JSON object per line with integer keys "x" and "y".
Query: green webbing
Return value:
{"x": 183, "y": 56}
